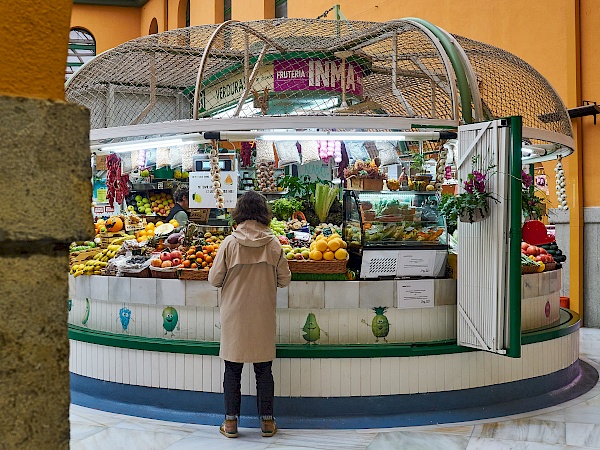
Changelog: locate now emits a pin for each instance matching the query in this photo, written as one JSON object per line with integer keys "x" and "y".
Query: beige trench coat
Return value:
{"x": 249, "y": 266}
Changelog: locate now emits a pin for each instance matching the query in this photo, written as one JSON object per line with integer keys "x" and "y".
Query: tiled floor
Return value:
{"x": 571, "y": 425}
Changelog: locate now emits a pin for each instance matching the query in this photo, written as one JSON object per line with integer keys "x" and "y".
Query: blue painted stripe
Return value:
{"x": 343, "y": 412}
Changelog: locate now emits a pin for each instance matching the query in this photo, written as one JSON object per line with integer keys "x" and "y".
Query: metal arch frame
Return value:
{"x": 208, "y": 46}
{"x": 445, "y": 59}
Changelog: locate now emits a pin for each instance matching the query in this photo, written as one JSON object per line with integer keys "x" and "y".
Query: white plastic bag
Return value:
{"x": 162, "y": 157}
{"x": 175, "y": 156}
{"x": 126, "y": 166}
{"x": 388, "y": 155}
{"x": 356, "y": 151}
{"x": 310, "y": 151}
{"x": 287, "y": 153}
{"x": 264, "y": 151}
{"x": 187, "y": 153}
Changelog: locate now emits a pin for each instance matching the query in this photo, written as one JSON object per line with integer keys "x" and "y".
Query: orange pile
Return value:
{"x": 200, "y": 258}
{"x": 328, "y": 248}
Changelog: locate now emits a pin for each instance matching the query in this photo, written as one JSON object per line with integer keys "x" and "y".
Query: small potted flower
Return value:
{"x": 364, "y": 176}
{"x": 473, "y": 204}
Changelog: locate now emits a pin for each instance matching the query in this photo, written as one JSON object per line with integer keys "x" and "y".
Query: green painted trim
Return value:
{"x": 82, "y": 47}
{"x": 570, "y": 322}
{"x": 129, "y": 3}
{"x": 235, "y": 69}
{"x": 466, "y": 98}
{"x": 75, "y": 64}
{"x": 514, "y": 252}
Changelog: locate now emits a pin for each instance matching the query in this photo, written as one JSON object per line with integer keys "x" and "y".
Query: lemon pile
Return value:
{"x": 328, "y": 248}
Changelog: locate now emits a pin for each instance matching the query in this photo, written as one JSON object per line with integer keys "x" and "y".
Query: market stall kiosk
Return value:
{"x": 382, "y": 350}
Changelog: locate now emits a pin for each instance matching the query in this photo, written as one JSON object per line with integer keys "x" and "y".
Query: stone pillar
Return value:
{"x": 561, "y": 221}
{"x": 591, "y": 259}
{"x": 45, "y": 194}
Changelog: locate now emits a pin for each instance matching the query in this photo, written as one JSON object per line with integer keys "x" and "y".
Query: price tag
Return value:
{"x": 302, "y": 236}
{"x": 160, "y": 185}
{"x": 327, "y": 231}
{"x": 109, "y": 209}
{"x": 98, "y": 209}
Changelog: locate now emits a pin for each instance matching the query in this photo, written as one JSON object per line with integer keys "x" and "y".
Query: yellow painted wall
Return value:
{"x": 110, "y": 25}
{"x": 244, "y": 10}
{"x": 34, "y": 40}
{"x": 154, "y": 9}
{"x": 590, "y": 90}
{"x": 203, "y": 12}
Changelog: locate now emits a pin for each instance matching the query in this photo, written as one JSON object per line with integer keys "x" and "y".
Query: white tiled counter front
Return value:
{"x": 343, "y": 309}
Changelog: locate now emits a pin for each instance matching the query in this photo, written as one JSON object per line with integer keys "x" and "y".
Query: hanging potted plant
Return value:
{"x": 473, "y": 204}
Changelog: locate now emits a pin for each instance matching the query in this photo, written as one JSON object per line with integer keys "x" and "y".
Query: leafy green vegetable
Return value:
{"x": 324, "y": 198}
{"x": 283, "y": 208}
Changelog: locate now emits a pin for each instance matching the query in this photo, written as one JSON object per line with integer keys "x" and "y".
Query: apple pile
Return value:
{"x": 536, "y": 253}
{"x": 168, "y": 258}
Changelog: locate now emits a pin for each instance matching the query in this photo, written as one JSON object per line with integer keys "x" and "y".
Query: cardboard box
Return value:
{"x": 199, "y": 215}
{"x": 366, "y": 184}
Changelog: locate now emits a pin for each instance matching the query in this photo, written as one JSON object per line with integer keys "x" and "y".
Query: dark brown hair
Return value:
{"x": 181, "y": 192}
{"x": 252, "y": 206}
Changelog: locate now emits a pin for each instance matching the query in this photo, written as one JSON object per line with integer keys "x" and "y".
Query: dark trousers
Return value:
{"x": 232, "y": 388}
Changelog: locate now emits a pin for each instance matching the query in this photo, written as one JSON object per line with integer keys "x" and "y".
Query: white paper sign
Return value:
{"x": 415, "y": 263}
{"x": 415, "y": 293}
{"x": 202, "y": 193}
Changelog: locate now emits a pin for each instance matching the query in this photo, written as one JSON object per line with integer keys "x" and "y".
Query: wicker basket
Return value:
{"x": 529, "y": 269}
{"x": 167, "y": 272}
{"x": 310, "y": 266}
{"x": 136, "y": 273}
{"x": 82, "y": 256}
{"x": 193, "y": 274}
{"x": 550, "y": 266}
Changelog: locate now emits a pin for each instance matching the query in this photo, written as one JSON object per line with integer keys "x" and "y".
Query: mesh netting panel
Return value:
{"x": 509, "y": 87}
{"x": 303, "y": 67}
{"x": 153, "y": 78}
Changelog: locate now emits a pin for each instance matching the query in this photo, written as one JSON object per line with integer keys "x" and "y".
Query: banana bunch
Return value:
{"x": 107, "y": 253}
{"x": 120, "y": 240}
{"x": 90, "y": 267}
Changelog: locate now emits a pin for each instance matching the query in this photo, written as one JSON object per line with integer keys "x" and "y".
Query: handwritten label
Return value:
{"x": 327, "y": 231}
{"x": 415, "y": 293}
{"x": 160, "y": 185}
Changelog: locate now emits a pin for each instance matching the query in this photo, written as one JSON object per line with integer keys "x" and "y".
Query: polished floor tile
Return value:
{"x": 572, "y": 425}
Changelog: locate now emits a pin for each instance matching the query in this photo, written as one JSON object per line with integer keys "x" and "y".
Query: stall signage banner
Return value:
{"x": 316, "y": 75}
{"x": 416, "y": 263}
{"x": 415, "y": 293}
{"x": 229, "y": 91}
{"x": 202, "y": 194}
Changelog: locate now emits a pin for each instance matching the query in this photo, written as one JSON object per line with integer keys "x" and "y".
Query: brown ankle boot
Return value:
{"x": 229, "y": 428}
{"x": 268, "y": 428}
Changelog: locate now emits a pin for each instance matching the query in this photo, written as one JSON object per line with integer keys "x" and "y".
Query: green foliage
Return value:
{"x": 283, "y": 208}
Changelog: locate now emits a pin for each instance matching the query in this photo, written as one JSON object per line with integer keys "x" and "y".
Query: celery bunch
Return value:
{"x": 325, "y": 195}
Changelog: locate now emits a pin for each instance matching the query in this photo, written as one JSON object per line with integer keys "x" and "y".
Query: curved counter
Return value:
{"x": 149, "y": 347}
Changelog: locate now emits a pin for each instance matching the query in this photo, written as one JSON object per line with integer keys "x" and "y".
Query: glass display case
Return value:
{"x": 395, "y": 233}
{"x": 392, "y": 218}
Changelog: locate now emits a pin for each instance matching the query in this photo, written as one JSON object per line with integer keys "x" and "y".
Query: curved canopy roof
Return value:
{"x": 403, "y": 74}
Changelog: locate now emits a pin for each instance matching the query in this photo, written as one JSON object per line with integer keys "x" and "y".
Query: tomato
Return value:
{"x": 524, "y": 245}
{"x": 538, "y": 258}
{"x": 531, "y": 250}
{"x": 543, "y": 251}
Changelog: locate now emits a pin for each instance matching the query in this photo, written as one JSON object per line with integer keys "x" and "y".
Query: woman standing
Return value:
{"x": 249, "y": 266}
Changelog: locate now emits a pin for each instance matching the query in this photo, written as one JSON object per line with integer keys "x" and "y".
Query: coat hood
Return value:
{"x": 251, "y": 233}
